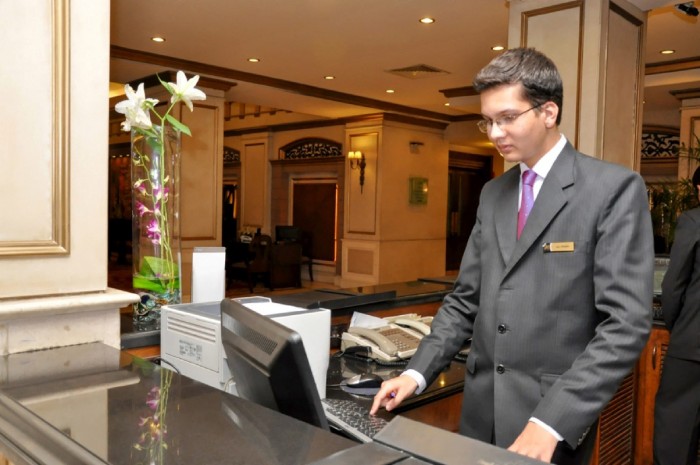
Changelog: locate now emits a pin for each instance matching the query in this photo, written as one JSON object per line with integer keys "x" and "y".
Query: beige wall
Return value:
{"x": 44, "y": 143}
{"x": 265, "y": 190}
{"x": 383, "y": 238}
{"x": 388, "y": 239}
{"x": 53, "y": 213}
{"x": 598, "y": 47}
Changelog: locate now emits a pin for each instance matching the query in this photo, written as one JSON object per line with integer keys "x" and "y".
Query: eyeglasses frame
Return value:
{"x": 486, "y": 124}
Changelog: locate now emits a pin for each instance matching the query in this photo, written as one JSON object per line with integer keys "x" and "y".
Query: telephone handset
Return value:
{"x": 422, "y": 328}
{"x": 384, "y": 343}
{"x": 387, "y": 343}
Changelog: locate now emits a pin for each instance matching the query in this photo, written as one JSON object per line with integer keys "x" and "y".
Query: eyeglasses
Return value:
{"x": 502, "y": 122}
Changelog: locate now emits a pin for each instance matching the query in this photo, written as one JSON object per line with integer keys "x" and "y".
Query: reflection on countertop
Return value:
{"x": 125, "y": 410}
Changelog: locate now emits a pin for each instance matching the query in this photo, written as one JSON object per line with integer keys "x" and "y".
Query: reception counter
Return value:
{"x": 92, "y": 404}
{"x": 106, "y": 402}
{"x": 423, "y": 295}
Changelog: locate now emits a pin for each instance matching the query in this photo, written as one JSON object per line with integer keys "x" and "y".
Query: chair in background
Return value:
{"x": 287, "y": 233}
{"x": 259, "y": 264}
{"x": 285, "y": 264}
{"x": 238, "y": 257}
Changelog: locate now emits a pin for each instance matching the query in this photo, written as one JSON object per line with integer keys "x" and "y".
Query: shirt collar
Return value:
{"x": 545, "y": 163}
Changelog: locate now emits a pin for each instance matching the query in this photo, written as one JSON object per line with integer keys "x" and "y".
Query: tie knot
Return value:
{"x": 529, "y": 177}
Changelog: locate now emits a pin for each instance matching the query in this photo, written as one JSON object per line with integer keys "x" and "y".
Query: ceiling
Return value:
{"x": 299, "y": 42}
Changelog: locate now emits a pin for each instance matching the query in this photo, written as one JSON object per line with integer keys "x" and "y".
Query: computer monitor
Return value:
{"x": 285, "y": 233}
{"x": 269, "y": 364}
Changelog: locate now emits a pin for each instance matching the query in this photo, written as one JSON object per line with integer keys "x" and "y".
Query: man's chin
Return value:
{"x": 511, "y": 157}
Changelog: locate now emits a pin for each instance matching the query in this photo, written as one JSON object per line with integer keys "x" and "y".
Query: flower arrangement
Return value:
{"x": 155, "y": 178}
{"x": 152, "y": 442}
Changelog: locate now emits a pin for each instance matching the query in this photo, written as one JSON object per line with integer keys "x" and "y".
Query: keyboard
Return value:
{"x": 352, "y": 419}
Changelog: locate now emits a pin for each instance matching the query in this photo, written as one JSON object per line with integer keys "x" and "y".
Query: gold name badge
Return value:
{"x": 552, "y": 247}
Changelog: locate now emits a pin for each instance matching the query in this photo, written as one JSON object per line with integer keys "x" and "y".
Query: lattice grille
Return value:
{"x": 617, "y": 427}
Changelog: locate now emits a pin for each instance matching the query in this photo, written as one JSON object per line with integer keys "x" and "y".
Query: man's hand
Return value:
{"x": 534, "y": 442}
{"x": 393, "y": 392}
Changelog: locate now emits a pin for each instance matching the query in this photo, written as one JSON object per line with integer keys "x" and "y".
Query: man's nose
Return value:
{"x": 495, "y": 131}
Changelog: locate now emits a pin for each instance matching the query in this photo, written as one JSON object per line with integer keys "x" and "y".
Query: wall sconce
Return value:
{"x": 357, "y": 160}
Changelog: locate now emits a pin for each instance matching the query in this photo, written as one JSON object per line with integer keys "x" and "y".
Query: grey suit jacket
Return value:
{"x": 680, "y": 295}
{"x": 554, "y": 333}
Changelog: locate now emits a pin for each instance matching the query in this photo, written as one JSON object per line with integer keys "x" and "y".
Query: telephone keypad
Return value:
{"x": 400, "y": 338}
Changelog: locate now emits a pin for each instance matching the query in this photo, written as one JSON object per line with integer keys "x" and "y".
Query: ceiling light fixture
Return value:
{"x": 427, "y": 20}
{"x": 667, "y": 52}
{"x": 329, "y": 78}
{"x": 687, "y": 8}
{"x": 498, "y": 48}
{"x": 158, "y": 39}
{"x": 254, "y": 60}
{"x": 390, "y": 91}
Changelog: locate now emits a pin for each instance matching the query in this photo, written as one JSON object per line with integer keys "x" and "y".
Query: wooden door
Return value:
{"x": 467, "y": 176}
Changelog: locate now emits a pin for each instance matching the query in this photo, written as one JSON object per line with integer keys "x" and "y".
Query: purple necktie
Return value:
{"x": 527, "y": 199}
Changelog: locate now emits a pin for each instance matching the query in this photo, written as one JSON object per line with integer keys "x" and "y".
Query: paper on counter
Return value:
{"x": 272, "y": 308}
{"x": 363, "y": 320}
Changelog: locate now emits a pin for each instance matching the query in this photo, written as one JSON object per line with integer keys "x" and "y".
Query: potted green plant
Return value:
{"x": 668, "y": 200}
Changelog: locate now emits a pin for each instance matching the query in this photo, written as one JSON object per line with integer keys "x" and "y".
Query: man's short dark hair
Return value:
{"x": 534, "y": 70}
{"x": 696, "y": 179}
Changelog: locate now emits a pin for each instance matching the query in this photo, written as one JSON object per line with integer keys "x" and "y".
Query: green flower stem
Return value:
{"x": 162, "y": 216}
{"x": 166, "y": 377}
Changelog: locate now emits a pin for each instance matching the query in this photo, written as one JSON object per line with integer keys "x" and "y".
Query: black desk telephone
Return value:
{"x": 397, "y": 340}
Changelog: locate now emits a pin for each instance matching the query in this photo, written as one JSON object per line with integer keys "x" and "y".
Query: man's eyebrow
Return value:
{"x": 502, "y": 113}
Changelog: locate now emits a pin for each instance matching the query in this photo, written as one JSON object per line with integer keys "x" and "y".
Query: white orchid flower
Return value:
{"x": 184, "y": 90}
{"x": 135, "y": 108}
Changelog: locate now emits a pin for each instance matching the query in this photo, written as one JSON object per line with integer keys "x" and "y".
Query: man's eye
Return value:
{"x": 507, "y": 119}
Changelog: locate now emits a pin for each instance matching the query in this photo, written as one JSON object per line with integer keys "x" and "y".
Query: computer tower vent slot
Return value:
{"x": 191, "y": 328}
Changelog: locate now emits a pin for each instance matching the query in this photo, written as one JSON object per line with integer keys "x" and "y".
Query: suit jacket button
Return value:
{"x": 501, "y": 329}
{"x": 500, "y": 369}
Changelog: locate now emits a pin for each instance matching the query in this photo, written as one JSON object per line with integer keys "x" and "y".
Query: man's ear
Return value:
{"x": 551, "y": 111}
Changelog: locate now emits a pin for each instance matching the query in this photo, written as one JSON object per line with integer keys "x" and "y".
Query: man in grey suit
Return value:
{"x": 677, "y": 408}
{"x": 558, "y": 312}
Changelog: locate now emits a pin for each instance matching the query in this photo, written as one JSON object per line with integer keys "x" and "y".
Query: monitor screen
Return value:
{"x": 285, "y": 233}
{"x": 269, "y": 364}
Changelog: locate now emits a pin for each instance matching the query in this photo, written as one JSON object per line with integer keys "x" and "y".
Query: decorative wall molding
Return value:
{"x": 311, "y": 148}
{"x": 231, "y": 155}
{"x": 659, "y": 145}
{"x": 57, "y": 239}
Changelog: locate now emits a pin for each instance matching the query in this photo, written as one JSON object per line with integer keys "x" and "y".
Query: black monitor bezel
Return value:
{"x": 269, "y": 364}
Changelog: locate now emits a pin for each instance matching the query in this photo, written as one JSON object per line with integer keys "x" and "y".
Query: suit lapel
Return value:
{"x": 552, "y": 197}
{"x": 506, "y": 214}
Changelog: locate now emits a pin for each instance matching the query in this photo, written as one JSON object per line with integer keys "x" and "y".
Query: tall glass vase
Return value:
{"x": 155, "y": 177}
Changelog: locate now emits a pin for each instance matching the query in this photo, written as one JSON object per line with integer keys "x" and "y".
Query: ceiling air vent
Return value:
{"x": 417, "y": 71}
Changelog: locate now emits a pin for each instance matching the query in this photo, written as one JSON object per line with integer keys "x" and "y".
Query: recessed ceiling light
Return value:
{"x": 157, "y": 39}
{"x": 254, "y": 60}
{"x": 427, "y": 20}
{"x": 447, "y": 104}
{"x": 668, "y": 52}
{"x": 390, "y": 91}
{"x": 498, "y": 48}
{"x": 329, "y": 78}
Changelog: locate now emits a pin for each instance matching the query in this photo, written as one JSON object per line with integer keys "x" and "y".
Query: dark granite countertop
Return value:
{"x": 369, "y": 298}
{"x": 104, "y": 401}
{"x": 339, "y": 301}
{"x": 450, "y": 381}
